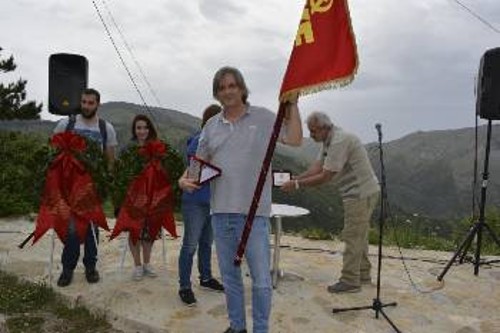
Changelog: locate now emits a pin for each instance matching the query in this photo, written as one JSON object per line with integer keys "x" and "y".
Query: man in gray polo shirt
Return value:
{"x": 343, "y": 160}
{"x": 236, "y": 140}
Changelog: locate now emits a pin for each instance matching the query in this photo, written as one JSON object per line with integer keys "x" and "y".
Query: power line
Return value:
{"x": 120, "y": 56}
{"x": 479, "y": 17}
{"x": 134, "y": 58}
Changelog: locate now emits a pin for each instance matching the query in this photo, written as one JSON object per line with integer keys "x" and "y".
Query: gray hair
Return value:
{"x": 240, "y": 81}
{"x": 319, "y": 119}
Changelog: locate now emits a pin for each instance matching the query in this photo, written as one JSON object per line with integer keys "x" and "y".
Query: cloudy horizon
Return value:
{"x": 418, "y": 58}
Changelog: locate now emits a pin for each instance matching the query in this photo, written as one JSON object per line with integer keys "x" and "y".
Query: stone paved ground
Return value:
{"x": 464, "y": 303}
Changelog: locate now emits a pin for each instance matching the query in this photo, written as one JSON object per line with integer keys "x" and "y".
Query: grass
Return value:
{"x": 409, "y": 239}
{"x": 32, "y": 307}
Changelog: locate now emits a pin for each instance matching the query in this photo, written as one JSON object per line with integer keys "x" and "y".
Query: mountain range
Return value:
{"x": 429, "y": 174}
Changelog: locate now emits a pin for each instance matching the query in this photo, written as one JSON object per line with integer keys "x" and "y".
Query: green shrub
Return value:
{"x": 24, "y": 157}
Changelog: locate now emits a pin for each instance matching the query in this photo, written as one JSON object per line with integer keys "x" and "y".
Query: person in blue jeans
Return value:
{"x": 87, "y": 124}
{"x": 236, "y": 141}
{"x": 197, "y": 229}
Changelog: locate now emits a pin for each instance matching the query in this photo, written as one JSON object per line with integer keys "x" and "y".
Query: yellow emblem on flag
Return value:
{"x": 305, "y": 33}
{"x": 320, "y": 6}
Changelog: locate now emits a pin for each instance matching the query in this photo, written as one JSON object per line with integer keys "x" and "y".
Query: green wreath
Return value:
{"x": 97, "y": 165}
{"x": 130, "y": 163}
{"x": 93, "y": 160}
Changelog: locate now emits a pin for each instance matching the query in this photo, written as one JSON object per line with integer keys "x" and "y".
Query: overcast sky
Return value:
{"x": 418, "y": 58}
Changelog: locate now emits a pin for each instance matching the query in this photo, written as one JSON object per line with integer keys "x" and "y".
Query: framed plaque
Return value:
{"x": 202, "y": 171}
{"x": 280, "y": 177}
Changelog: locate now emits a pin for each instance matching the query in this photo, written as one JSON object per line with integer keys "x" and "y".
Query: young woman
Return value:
{"x": 142, "y": 131}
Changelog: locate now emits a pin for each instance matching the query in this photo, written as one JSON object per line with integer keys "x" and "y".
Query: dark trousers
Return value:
{"x": 71, "y": 251}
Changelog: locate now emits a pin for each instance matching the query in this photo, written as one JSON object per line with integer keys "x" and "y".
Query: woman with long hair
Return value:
{"x": 143, "y": 130}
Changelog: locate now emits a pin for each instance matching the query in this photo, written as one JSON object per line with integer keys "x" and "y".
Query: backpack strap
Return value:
{"x": 104, "y": 133}
{"x": 102, "y": 129}
{"x": 71, "y": 123}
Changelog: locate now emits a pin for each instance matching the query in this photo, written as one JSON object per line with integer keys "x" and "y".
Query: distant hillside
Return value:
{"x": 432, "y": 173}
{"x": 174, "y": 126}
{"x": 428, "y": 173}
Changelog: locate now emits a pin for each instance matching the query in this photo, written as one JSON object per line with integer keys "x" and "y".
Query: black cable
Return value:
{"x": 333, "y": 252}
{"x": 132, "y": 55}
{"x": 402, "y": 258}
{"x": 477, "y": 16}
{"x": 120, "y": 56}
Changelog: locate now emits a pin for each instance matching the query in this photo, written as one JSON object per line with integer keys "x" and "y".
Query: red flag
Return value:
{"x": 149, "y": 200}
{"x": 324, "y": 54}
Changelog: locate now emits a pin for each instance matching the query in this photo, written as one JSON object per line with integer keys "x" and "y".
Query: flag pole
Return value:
{"x": 260, "y": 183}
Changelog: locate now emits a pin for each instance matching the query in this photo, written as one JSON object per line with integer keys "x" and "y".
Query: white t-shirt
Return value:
{"x": 90, "y": 131}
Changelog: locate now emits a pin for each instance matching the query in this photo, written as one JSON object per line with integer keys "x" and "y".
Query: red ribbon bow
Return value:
{"x": 69, "y": 192}
{"x": 149, "y": 201}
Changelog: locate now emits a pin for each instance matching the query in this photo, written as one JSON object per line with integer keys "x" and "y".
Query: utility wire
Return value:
{"x": 477, "y": 16}
{"x": 120, "y": 56}
{"x": 132, "y": 55}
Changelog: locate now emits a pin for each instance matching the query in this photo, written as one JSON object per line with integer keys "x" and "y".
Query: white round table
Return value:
{"x": 278, "y": 211}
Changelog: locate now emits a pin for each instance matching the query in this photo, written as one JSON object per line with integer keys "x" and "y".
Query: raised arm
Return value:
{"x": 293, "y": 123}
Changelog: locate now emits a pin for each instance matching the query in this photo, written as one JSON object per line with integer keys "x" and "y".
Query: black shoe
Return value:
{"x": 230, "y": 330}
{"x": 212, "y": 284}
{"x": 187, "y": 297}
{"x": 92, "y": 275}
{"x": 65, "y": 278}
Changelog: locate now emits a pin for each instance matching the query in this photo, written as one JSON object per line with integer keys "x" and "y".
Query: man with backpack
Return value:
{"x": 86, "y": 124}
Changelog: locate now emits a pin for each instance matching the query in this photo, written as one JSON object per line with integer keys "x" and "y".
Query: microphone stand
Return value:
{"x": 377, "y": 304}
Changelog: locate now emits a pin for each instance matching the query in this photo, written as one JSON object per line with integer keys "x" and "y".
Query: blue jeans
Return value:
{"x": 227, "y": 231}
{"x": 71, "y": 250}
{"x": 197, "y": 234}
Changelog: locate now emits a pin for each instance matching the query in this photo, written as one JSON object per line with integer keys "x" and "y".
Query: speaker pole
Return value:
{"x": 477, "y": 227}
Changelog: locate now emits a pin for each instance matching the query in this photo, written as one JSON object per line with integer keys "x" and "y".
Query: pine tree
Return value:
{"x": 13, "y": 96}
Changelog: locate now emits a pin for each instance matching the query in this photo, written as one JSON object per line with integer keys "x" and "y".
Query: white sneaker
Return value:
{"x": 138, "y": 273}
{"x": 149, "y": 271}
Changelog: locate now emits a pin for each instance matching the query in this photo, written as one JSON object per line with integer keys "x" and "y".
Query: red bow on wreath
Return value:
{"x": 69, "y": 191}
{"x": 149, "y": 200}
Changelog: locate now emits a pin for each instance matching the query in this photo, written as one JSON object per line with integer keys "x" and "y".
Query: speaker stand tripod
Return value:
{"x": 479, "y": 225}
{"x": 377, "y": 304}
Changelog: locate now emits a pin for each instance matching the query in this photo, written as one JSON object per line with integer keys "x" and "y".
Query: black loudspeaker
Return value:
{"x": 68, "y": 77}
{"x": 488, "y": 85}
